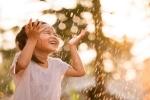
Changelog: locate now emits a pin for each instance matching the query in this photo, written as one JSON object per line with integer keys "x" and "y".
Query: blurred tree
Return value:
{"x": 103, "y": 44}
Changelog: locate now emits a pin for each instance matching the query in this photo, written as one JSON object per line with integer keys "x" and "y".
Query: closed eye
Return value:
{"x": 55, "y": 35}
{"x": 47, "y": 32}
{"x": 51, "y": 34}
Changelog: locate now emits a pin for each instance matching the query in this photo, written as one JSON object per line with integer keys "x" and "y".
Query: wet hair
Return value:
{"x": 21, "y": 39}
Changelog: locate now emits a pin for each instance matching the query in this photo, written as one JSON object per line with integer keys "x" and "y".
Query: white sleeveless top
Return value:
{"x": 37, "y": 83}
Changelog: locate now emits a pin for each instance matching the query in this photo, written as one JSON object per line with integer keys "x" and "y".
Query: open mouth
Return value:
{"x": 53, "y": 42}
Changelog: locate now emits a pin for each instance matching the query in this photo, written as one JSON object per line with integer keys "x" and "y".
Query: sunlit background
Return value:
{"x": 115, "y": 52}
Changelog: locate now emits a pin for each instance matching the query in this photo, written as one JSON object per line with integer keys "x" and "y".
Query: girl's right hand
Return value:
{"x": 33, "y": 31}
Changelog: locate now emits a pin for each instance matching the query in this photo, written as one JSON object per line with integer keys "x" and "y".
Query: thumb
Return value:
{"x": 74, "y": 36}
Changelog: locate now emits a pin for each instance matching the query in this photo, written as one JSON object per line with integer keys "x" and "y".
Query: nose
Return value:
{"x": 54, "y": 36}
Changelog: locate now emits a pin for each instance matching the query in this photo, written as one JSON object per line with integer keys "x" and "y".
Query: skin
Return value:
{"x": 39, "y": 43}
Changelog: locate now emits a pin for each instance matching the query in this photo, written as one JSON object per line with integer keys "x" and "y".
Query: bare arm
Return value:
{"x": 77, "y": 68}
{"x": 25, "y": 56}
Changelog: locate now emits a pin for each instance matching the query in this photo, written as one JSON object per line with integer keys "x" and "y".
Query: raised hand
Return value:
{"x": 33, "y": 31}
{"x": 75, "y": 40}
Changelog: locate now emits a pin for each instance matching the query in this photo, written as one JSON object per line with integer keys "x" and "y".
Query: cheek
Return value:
{"x": 58, "y": 41}
{"x": 41, "y": 42}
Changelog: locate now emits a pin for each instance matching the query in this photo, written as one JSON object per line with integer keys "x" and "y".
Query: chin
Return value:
{"x": 54, "y": 50}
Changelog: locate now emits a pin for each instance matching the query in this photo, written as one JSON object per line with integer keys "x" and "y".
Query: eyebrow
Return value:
{"x": 50, "y": 32}
{"x": 46, "y": 31}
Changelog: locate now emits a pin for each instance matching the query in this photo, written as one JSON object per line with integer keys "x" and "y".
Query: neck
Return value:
{"x": 44, "y": 65}
{"x": 42, "y": 57}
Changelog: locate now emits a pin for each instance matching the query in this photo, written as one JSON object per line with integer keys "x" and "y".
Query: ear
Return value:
{"x": 26, "y": 39}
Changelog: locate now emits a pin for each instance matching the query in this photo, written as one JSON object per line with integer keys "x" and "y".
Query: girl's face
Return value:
{"x": 48, "y": 40}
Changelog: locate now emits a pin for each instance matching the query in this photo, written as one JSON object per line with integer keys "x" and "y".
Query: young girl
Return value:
{"x": 36, "y": 75}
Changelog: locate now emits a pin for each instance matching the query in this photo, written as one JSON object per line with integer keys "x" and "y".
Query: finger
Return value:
{"x": 39, "y": 25}
{"x": 43, "y": 29}
{"x": 30, "y": 23}
{"x": 83, "y": 32}
{"x": 26, "y": 28}
{"x": 35, "y": 24}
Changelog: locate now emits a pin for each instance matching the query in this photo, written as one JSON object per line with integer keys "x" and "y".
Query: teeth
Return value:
{"x": 52, "y": 42}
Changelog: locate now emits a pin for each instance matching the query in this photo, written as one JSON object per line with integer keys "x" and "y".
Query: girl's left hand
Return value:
{"x": 75, "y": 40}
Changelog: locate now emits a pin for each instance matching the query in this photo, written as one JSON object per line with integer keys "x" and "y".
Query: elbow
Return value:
{"x": 21, "y": 66}
{"x": 82, "y": 74}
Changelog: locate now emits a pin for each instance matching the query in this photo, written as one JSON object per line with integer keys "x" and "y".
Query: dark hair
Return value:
{"x": 21, "y": 39}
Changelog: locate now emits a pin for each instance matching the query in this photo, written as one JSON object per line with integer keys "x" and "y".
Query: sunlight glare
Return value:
{"x": 113, "y": 33}
{"x": 83, "y": 47}
{"x": 108, "y": 65}
{"x": 87, "y": 56}
{"x": 69, "y": 4}
{"x": 59, "y": 4}
{"x": 86, "y": 15}
{"x": 15, "y": 11}
{"x": 90, "y": 28}
{"x": 76, "y": 19}
{"x": 7, "y": 24}
{"x": 91, "y": 37}
{"x": 127, "y": 65}
{"x": 116, "y": 76}
{"x": 130, "y": 74}
{"x": 140, "y": 46}
{"x": 61, "y": 17}
{"x": 62, "y": 26}
{"x": 126, "y": 18}
{"x": 86, "y": 3}
{"x": 115, "y": 5}
{"x": 8, "y": 40}
{"x": 74, "y": 29}
{"x": 49, "y": 18}
{"x": 106, "y": 55}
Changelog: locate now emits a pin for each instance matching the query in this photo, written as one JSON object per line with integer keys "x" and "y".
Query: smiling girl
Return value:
{"x": 36, "y": 75}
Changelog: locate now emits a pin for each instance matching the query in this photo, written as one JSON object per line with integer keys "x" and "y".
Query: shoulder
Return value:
{"x": 18, "y": 53}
